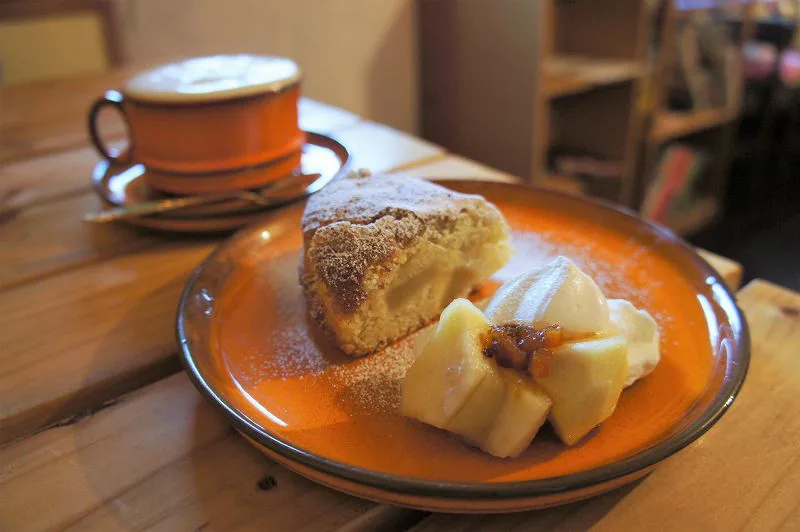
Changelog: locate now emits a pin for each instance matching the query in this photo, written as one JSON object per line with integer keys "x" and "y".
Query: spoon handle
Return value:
{"x": 269, "y": 196}
{"x": 126, "y": 212}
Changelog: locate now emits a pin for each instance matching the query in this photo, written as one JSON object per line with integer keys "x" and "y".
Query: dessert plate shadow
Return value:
{"x": 249, "y": 348}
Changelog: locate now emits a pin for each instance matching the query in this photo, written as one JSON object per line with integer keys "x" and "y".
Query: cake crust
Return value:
{"x": 361, "y": 220}
{"x": 359, "y": 229}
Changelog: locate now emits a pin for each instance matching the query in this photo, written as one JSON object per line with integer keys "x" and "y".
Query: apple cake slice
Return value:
{"x": 383, "y": 255}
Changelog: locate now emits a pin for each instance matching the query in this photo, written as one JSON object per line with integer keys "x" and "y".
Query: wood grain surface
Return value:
{"x": 159, "y": 458}
{"x": 40, "y": 179}
{"x": 42, "y": 117}
{"x": 50, "y": 238}
{"x": 75, "y": 340}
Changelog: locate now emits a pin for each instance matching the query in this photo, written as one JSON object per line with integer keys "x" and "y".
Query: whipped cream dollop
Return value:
{"x": 641, "y": 332}
{"x": 561, "y": 293}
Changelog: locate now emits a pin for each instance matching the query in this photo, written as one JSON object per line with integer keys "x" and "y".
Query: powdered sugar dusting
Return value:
{"x": 374, "y": 383}
{"x": 294, "y": 354}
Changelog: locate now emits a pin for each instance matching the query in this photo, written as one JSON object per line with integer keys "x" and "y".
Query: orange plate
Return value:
{"x": 249, "y": 347}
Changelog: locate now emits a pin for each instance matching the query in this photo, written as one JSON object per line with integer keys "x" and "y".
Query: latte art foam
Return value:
{"x": 212, "y": 78}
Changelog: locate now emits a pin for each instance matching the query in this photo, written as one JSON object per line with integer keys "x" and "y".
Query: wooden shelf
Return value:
{"x": 578, "y": 67}
{"x": 694, "y": 218}
{"x": 566, "y": 74}
{"x": 669, "y": 125}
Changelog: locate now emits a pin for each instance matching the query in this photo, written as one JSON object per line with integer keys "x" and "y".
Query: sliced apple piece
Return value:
{"x": 475, "y": 418}
{"x": 557, "y": 293}
{"x": 641, "y": 332}
{"x": 450, "y": 367}
{"x": 584, "y": 380}
{"x": 521, "y": 414}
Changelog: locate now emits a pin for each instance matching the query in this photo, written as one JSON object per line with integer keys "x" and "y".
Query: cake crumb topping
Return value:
{"x": 361, "y": 221}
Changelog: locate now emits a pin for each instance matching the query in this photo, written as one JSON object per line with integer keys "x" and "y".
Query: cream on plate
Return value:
{"x": 550, "y": 346}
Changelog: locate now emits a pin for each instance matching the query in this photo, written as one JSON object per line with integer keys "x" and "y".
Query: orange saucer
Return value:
{"x": 250, "y": 349}
{"x": 128, "y": 184}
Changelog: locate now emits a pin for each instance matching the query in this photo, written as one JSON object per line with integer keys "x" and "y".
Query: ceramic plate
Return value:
{"x": 248, "y": 346}
{"x": 119, "y": 185}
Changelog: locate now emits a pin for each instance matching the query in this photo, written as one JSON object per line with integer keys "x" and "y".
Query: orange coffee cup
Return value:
{"x": 207, "y": 115}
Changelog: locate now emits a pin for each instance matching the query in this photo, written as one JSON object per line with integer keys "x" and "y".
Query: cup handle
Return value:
{"x": 114, "y": 99}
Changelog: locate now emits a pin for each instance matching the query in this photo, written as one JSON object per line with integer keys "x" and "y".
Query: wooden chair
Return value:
{"x": 55, "y": 23}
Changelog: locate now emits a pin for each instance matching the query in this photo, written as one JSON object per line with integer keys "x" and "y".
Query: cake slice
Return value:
{"x": 383, "y": 255}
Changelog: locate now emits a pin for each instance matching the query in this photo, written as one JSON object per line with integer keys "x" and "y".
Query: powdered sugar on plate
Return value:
{"x": 293, "y": 353}
{"x": 533, "y": 250}
{"x": 374, "y": 383}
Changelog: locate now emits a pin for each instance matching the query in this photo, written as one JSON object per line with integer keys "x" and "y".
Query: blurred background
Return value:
{"x": 686, "y": 111}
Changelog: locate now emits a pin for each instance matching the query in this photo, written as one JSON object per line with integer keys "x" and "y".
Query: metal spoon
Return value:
{"x": 269, "y": 196}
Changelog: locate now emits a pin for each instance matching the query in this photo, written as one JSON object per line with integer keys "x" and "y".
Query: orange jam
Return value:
{"x": 527, "y": 348}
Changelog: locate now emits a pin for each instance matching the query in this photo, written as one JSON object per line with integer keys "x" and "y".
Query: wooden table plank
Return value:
{"x": 743, "y": 474}
{"x": 456, "y": 167}
{"x": 32, "y": 181}
{"x": 380, "y": 148}
{"x": 323, "y": 118}
{"x": 74, "y": 340}
{"x": 41, "y": 117}
{"x": 49, "y": 238}
{"x": 160, "y": 457}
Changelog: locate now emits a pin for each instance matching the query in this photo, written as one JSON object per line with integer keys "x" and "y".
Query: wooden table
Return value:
{"x": 101, "y": 430}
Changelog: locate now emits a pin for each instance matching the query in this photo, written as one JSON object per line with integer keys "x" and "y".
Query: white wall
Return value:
{"x": 356, "y": 54}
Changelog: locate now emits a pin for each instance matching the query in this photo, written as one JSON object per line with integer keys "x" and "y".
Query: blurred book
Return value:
{"x": 707, "y": 72}
{"x": 790, "y": 68}
{"x": 672, "y": 190}
{"x": 695, "y": 77}
{"x": 734, "y": 83}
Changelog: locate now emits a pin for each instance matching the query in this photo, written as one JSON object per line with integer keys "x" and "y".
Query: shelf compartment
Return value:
{"x": 597, "y": 122}
{"x": 570, "y": 74}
